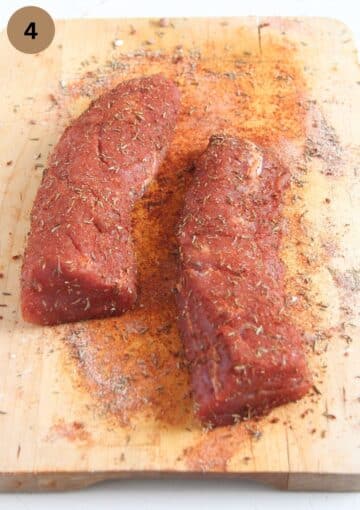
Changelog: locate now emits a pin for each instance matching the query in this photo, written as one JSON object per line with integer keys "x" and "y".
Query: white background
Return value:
{"x": 179, "y": 494}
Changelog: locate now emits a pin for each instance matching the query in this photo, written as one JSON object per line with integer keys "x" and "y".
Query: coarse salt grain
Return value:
{"x": 118, "y": 42}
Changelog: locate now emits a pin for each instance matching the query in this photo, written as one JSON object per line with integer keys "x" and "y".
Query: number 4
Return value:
{"x": 31, "y": 30}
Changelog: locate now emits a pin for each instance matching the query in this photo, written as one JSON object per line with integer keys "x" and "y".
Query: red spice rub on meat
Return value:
{"x": 245, "y": 356}
{"x": 79, "y": 261}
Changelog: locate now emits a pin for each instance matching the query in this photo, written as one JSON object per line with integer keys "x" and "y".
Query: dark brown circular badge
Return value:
{"x": 31, "y": 29}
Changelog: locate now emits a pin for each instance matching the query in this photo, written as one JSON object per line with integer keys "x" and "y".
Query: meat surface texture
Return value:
{"x": 245, "y": 356}
{"x": 79, "y": 261}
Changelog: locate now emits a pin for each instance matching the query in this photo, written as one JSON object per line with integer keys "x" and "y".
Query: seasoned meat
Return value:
{"x": 79, "y": 261}
{"x": 245, "y": 356}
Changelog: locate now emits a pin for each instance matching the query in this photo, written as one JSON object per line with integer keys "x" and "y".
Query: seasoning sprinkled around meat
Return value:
{"x": 245, "y": 356}
{"x": 79, "y": 261}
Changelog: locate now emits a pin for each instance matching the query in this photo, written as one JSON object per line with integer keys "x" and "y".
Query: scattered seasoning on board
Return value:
{"x": 275, "y": 420}
{"x": 260, "y": 27}
{"x": 329, "y": 416}
{"x": 316, "y": 389}
{"x": 118, "y": 66}
{"x": 53, "y": 99}
{"x": 164, "y": 22}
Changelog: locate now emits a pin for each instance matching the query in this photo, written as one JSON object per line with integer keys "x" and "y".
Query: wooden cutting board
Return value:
{"x": 110, "y": 399}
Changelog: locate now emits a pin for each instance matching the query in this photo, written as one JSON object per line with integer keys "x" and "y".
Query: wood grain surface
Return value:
{"x": 107, "y": 399}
